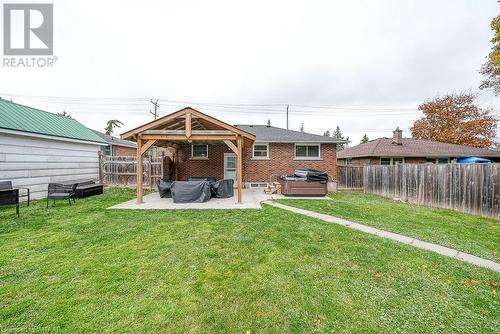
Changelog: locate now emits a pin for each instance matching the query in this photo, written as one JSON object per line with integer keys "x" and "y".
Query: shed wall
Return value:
{"x": 35, "y": 162}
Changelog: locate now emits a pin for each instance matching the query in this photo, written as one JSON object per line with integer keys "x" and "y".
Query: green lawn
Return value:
{"x": 87, "y": 269}
{"x": 471, "y": 234}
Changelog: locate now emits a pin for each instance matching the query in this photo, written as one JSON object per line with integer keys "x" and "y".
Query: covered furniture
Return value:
{"x": 222, "y": 188}
{"x": 10, "y": 197}
{"x": 164, "y": 188}
{"x": 202, "y": 178}
{"x": 88, "y": 188}
{"x": 7, "y": 185}
{"x": 190, "y": 191}
{"x": 61, "y": 191}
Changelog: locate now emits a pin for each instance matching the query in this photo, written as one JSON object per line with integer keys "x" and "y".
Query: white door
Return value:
{"x": 230, "y": 167}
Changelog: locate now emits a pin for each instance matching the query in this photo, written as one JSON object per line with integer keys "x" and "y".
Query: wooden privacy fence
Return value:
{"x": 350, "y": 178}
{"x": 469, "y": 188}
{"x": 117, "y": 170}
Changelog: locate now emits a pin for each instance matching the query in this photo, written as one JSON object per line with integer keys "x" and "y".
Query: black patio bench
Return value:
{"x": 7, "y": 185}
{"x": 10, "y": 197}
{"x": 61, "y": 191}
{"x": 88, "y": 188}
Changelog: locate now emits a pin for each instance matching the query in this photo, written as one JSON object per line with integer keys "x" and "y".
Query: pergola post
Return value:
{"x": 139, "y": 169}
{"x": 239, "y": 170}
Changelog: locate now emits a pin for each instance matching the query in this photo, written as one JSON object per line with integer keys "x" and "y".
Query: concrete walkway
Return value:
{"x": 450, "y": 252}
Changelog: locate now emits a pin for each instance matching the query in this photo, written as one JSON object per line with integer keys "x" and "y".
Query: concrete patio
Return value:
{"x": 252, "y": 199}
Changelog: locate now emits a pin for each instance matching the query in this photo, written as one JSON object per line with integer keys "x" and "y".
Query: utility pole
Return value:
{"x": 157, "y": 106}
{"x": 287, "y": 106}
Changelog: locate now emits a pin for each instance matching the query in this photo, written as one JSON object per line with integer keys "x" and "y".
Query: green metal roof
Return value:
{"x": 18, "y": 117}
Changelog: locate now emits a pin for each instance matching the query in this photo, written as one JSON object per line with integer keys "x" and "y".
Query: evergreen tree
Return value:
{"x": 268, "y": 122}
{"x": 326, "y": 133}
{"x": 302, "y": 127}
{"x": 338, "y": 135}
{"x": 111, "y": 125}
{"x": 364, "y": 139}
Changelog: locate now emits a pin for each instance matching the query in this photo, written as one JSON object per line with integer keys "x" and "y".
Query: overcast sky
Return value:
{"x": 368, "y": 55}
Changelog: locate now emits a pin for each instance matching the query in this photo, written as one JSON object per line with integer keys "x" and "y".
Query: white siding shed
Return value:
{"x": 38, "y": 147}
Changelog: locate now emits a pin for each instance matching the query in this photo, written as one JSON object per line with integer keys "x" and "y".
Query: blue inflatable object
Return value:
{"x": 473, "y": 160}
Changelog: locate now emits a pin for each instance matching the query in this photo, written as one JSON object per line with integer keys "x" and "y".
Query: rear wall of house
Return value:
{"x": 123, "y": 151}
{"x": 281, "y": 162}
{"x": 35, "y": 162}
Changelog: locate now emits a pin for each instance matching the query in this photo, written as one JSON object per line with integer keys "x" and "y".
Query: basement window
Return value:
{"x": 199, "y": 151}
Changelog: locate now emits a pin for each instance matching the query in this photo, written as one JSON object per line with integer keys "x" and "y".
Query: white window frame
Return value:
{"x": 307, "y": 158}
{"x": 258, "y": 157}
{"x": 198, "y": 158}
{"x": 391, "y": 159}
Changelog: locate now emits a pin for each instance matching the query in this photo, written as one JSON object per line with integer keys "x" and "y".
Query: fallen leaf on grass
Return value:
{"x": 493, "y": 284}
{"x": 247, "y": 332}
{"x": 378, "y": 276}
{"x": 258, "y": 314}
{"x": 470, "y": 282}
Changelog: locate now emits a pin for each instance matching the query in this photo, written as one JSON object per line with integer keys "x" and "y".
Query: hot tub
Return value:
{"x": 304, "y": 182}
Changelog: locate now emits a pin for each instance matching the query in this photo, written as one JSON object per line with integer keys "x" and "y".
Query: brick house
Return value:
{"x": 390, "y": 151}
{"x": 205, "y": 146}
{"x": 273, "y": 154}
{"x": 117, "y": 146}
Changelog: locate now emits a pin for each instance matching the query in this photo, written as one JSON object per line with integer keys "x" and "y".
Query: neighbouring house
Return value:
{"x": 252, "y": 155}
{"x": 38, "y": 147}
{"x": 390, "y": 151}
{"x": 117, "y": 146}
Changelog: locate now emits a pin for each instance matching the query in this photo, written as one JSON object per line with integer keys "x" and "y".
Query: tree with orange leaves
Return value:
{"x": 456, "y": 119}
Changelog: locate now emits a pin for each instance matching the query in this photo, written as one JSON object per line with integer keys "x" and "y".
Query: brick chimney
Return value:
{"x": 397, "y": 136}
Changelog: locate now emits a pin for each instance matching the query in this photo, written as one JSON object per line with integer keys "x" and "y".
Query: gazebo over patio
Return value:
{"x": 187, "y": 126}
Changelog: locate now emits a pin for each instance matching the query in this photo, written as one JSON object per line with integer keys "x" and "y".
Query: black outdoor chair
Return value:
{"x": 7, "y": 185}
{"x": 61, "y": 191}
{"x": 10, "y": 197}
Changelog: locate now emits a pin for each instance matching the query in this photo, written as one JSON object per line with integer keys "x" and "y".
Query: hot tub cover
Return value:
{"x": 190, "y": 191}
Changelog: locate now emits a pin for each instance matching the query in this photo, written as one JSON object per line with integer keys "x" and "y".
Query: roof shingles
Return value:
{"x": 271, "y": 134}
{"x": 384, "y": 147}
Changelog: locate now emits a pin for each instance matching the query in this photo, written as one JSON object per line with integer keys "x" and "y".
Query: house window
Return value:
{"x": 260, "y": 151}
{"x": 106, "y": 150}
{"x": 199, "y": 151}
{"x": 397, "y": 161}
{"x": 438, "y": 160}
{"x": 348, "y": 162}
{"x": 310, "y": 151}
{"x": 385, "y": 161}
{"x": 391, "y": 161}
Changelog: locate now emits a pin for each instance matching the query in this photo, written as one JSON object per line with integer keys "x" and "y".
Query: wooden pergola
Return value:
{"x": 186, "y": 126}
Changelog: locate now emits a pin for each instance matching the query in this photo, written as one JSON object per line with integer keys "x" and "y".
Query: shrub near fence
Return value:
{"x": 467, "y": 188}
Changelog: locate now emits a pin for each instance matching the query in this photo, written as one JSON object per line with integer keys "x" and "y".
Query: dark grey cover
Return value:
{"x": 202, "y": 178}
{"x": 223, "y": 188}
{"x": 190, "y": 191}
{"x": 164, "y": 187}
{"x": 312, "y": 174}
